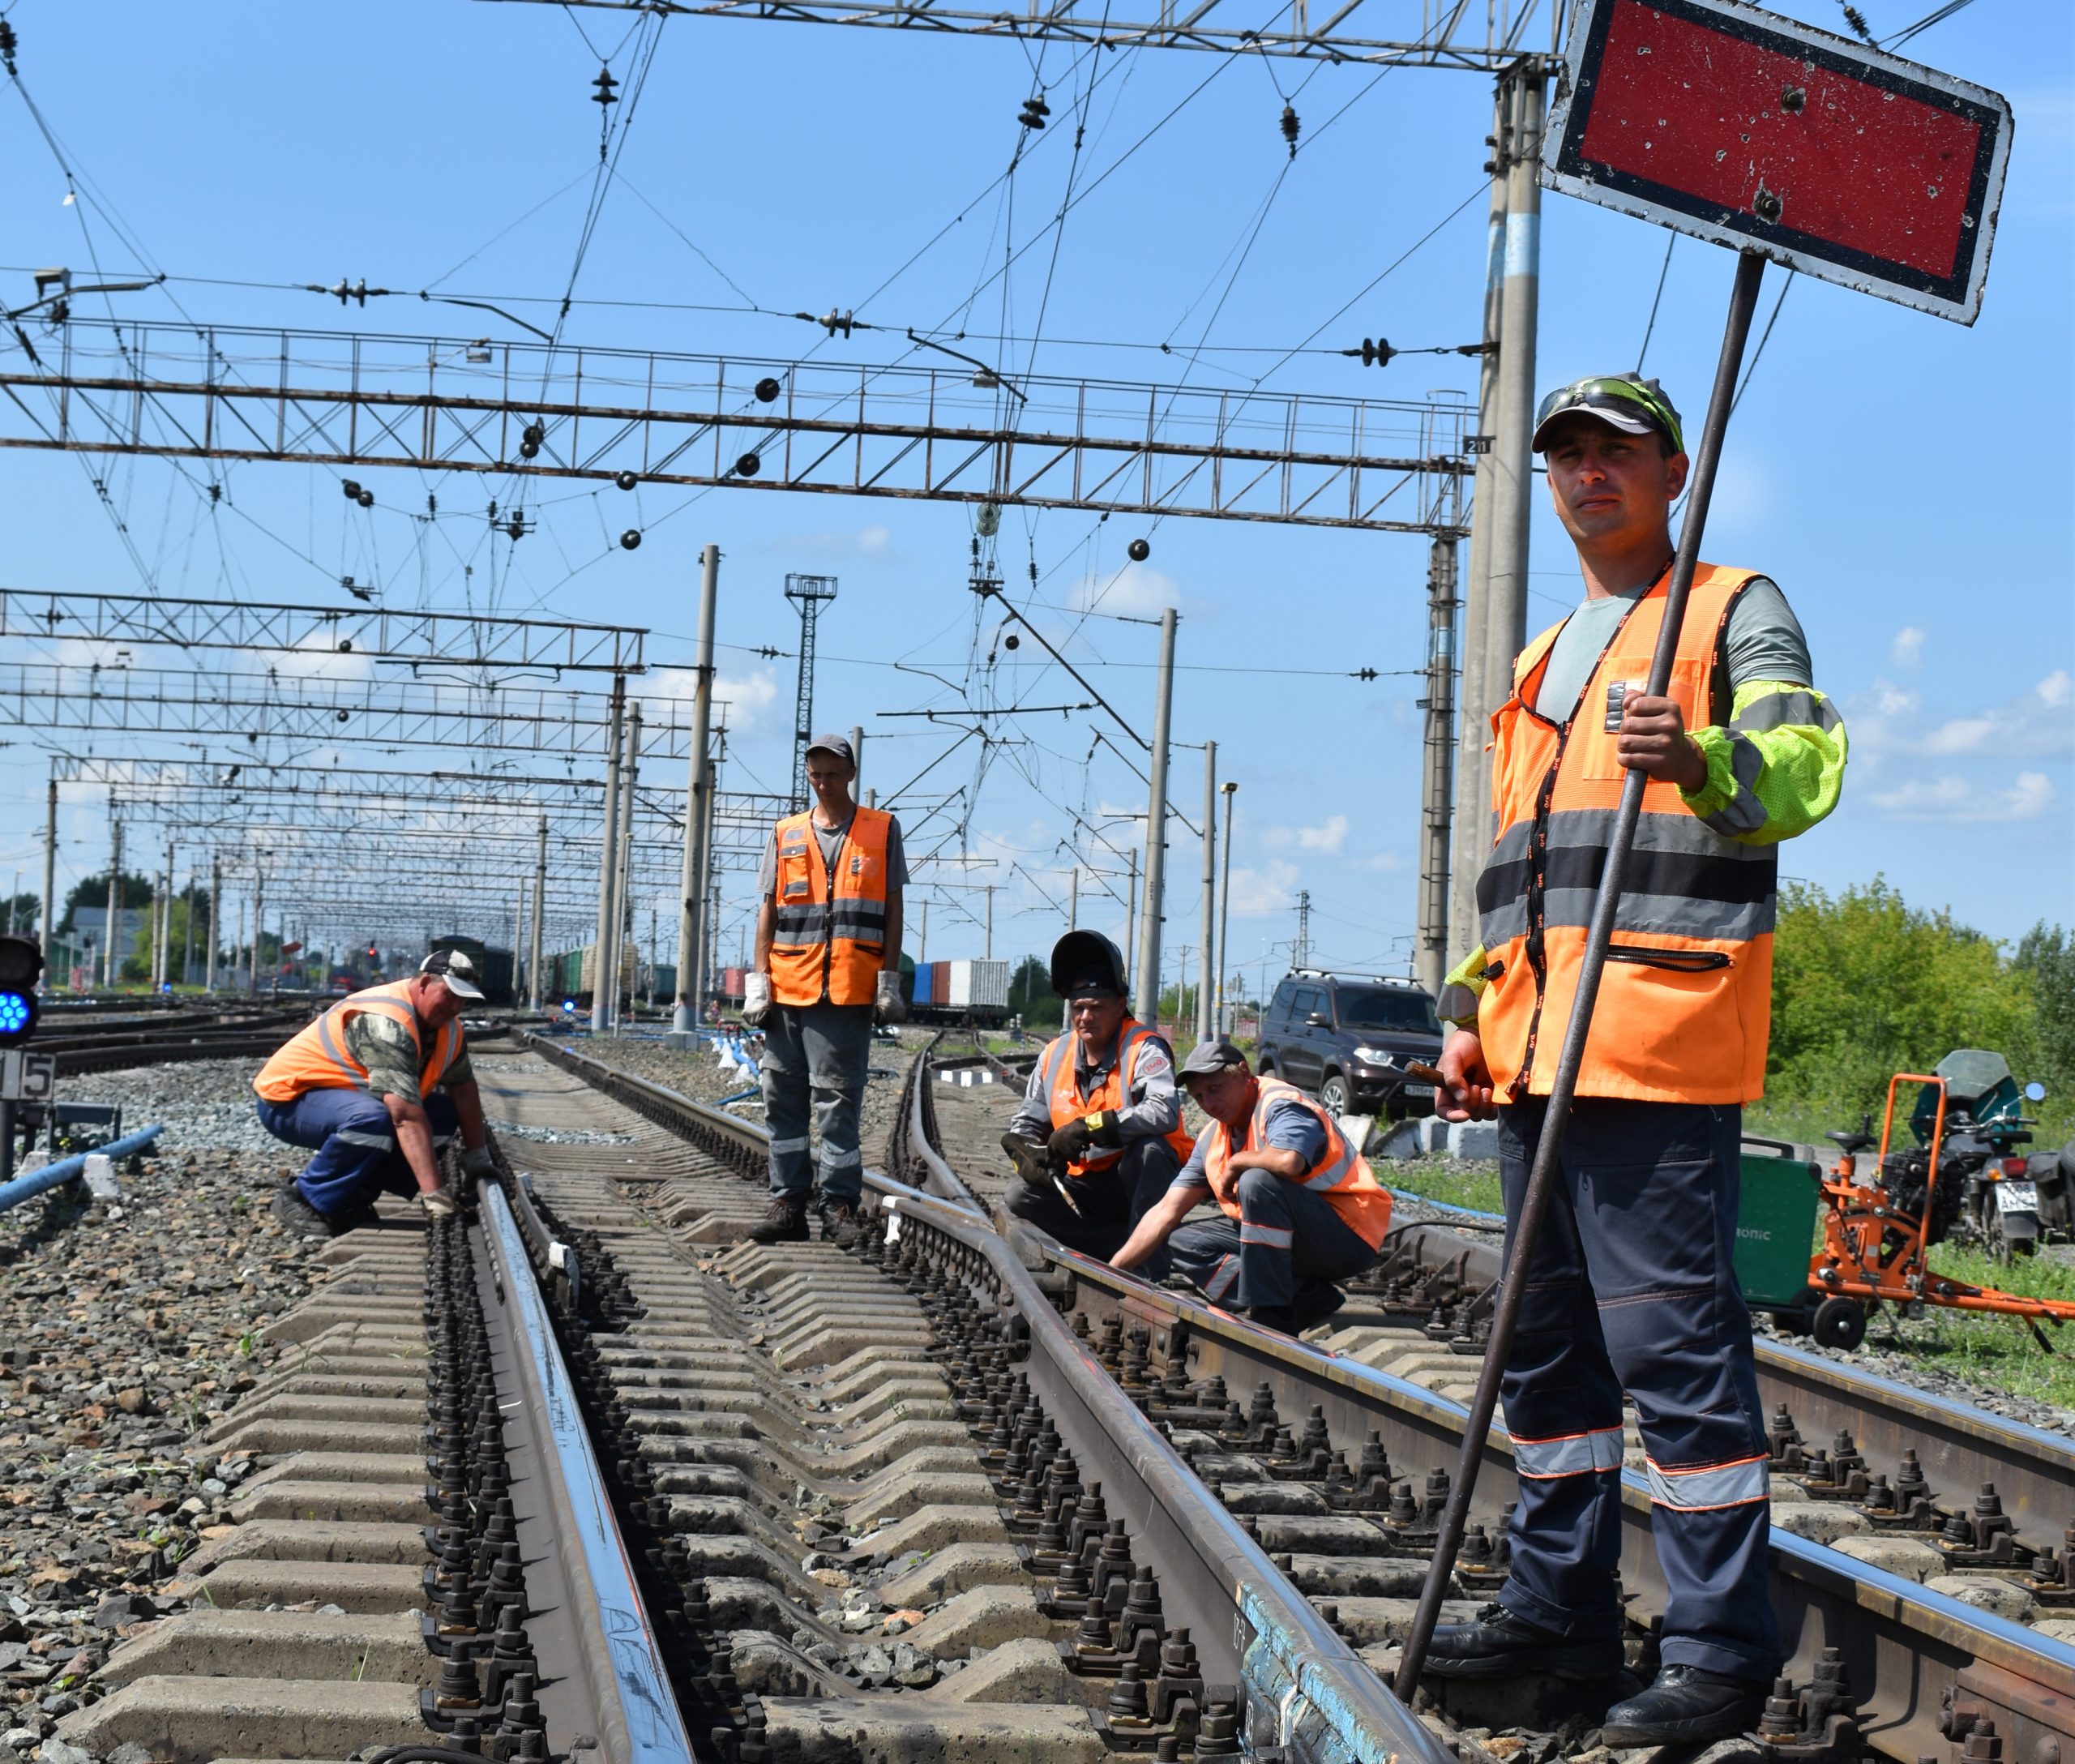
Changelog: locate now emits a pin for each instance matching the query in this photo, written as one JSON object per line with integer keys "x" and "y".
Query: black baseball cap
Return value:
{"x": 1208, "y": 1058}
{"x": 838, "y": 745}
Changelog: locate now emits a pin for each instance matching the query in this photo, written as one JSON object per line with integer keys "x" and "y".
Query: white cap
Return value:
{"x": 453, "y": 969}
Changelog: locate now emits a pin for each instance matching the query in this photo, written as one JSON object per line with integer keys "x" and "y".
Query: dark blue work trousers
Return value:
{"x": 1634, "y": 1287}
{"x": 1287, "y": 1240}
{"x": 358, "y": 1157}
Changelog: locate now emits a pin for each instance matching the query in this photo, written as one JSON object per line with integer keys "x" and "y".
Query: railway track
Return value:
{"x": 937, "y": 1496}
{"x": 108, "y": 1043}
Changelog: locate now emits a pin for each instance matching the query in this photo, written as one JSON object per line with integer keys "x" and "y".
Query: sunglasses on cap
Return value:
{"x": 1620, "y": 397}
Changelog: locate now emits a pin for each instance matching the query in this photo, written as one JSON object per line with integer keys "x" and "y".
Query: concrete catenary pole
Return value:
{"x": 1431, "y": 953}
{"x": 50, "y": 868}
{"x": 692, "y": 887}
{"x": 608, "y": 862}
{"x": 858, "y": 754}
{"x": 1225, "y": 903}
{"x": 1472, "y": 781}
{"x": 259, "y": 907}
{"x": 1073, "y": 924}
{"x": 988, "y": 949}
{"x": 1206, "y": 967}
{"x": 216, "y": 919}
{"x": 623, "y": 912}
{"x": 112, "y": 931}
{"x": 534, "y": 938}
{"x": 1511, "y": 498}
{"x": 1148, "y": 1001}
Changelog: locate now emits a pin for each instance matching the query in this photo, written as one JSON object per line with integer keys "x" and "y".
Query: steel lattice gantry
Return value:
{"x": 1261, "y": 28}
{"x": 305, "y": 707}
{"x": 364, "y": 400}
{"x": 372, "y": 633}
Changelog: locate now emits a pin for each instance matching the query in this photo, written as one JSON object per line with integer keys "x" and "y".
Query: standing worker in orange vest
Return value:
{"x": 1301, "y": 1211}
{"x": 1633, "y": 1285}
{"x": 827, "y": 967}
{"x": 376, "y": 1087}
{"x": 1098, "y": 1138}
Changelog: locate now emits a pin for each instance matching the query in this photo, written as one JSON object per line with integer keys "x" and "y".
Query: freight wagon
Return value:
{"x": 958, "y": 992}
{"x": 494, "y": 967}
{"x": 570, "y": 976}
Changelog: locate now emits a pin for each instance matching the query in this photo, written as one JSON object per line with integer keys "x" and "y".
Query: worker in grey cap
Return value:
{"x": 827, "y": 967}
{"x": 1098, "y": 1137}
{"x": 1301, "y": 1211}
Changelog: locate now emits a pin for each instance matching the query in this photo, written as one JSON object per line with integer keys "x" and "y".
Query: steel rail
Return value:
{"x": 1906, "y": 1647}
{"x": 612, "y": 1640}
{"x": 1960, "y": 1447}
{"x": 1307, "y": 1690}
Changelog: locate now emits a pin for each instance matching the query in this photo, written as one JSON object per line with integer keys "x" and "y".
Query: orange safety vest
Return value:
{"x": 316, "y": 1057}
{"x": 1341, "y": 1174}
{"x": 1685, "y": 1002}
{"x": 830, "y": 938}
{"x": 1061, "y": 1067}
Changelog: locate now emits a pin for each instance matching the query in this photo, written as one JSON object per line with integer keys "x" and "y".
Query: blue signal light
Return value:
{"x": 17, "y": 1013}
{"x": 569, "y": 1005}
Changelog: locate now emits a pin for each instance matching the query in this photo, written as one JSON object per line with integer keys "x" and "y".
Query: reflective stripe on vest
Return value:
{"x": 1568, "y": 1454}
{"x": 317, "y": 1058}
{"x": 1684, "y": 1003}
{"x": 1061, "y": 1069}
{"x": 828, "y": 937}
{"x": 1340, "y": 1174}
{"x": 1708, "y": 1485}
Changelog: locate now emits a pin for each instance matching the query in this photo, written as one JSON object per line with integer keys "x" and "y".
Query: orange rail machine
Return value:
{"x": 1874, "y": 1251}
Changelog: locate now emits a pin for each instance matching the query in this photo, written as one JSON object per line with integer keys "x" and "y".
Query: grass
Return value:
{"x": 1997, "y": 1353}
{"x": 1475, "y": 1186}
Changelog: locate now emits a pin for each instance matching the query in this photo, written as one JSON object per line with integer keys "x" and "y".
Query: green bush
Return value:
{"x": 1865, "y": 985}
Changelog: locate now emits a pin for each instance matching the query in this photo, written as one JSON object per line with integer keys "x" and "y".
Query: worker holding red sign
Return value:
{"x": 1632, "y": 1284}
{"x": 1657, "y": 747}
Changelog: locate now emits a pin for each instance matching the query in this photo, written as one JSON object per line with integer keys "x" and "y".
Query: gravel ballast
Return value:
{"x": 126, "y": 1328}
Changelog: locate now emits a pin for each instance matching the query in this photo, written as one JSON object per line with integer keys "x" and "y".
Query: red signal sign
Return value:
{"x": 1765, "y": 135}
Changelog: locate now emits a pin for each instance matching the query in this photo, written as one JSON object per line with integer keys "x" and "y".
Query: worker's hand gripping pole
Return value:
{"x": 1527, "y": 1229}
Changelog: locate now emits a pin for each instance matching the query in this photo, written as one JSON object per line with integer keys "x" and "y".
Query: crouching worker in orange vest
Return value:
{"x": 362, "y": 1087}
{"x": 1098, "y": 1138}
{"x": 1301, "y": 1211}
{"x": 1633, "y": 1283}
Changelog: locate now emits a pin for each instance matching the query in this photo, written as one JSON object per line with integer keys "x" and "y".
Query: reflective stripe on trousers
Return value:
{"x": 1569, "y": 1454}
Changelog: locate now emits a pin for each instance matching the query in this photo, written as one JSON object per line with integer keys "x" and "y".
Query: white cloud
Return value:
{"x": 871, "y": 541}
{"x": 1268, "y": 889}
{"x": 1955, "y": 801}
{"x": 1907, "y": 648}
{"x": 1382, "y": 860}
{"x": 1326, "y": 838}
{"x": 1137, "y": 589}
{"x": 747, "y": 695}
{"x": 2035, "y": 724}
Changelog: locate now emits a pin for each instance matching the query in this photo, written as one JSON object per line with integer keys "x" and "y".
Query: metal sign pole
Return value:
{"x": 1742, "y": 300}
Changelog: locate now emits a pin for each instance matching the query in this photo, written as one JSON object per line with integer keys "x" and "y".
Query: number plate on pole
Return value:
{"x": 1761, "y": 133}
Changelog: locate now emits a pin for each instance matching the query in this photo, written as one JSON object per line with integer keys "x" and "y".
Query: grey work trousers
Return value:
{"x": 824, "y": 1050}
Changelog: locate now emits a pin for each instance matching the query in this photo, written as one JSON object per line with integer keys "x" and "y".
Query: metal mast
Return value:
{"x": 809, "y": 593}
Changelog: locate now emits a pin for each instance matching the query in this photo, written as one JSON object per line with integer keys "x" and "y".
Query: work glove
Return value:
{"x": 477, "y": 1164}
{"x": 1070, "y": 1144}
{"x": 1031, "y": 1157}
{"x": 437, "y": 1205}
{"x": 888, "y": 1004}
{"x": 756, "y": 999}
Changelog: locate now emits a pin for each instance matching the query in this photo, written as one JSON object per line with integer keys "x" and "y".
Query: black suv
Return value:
{"x": 1331, "y": 1034}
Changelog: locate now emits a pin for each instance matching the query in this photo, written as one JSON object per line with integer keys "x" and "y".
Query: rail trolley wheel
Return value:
{"x": 1840, "y": 1322}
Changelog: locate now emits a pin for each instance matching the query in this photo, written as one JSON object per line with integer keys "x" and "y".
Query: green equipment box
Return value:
{"x": 1776, "y": 1224}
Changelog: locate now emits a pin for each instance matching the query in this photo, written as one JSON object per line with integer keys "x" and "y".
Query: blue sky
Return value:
{"x": 1906, "y": 481}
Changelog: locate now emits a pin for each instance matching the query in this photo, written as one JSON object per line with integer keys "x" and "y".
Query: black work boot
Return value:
{"x": 1687, "y": 1705}
{"x": 1501, "y": 1644}
{"x": 299, "y": 1216}
{"x": 783, "y": 1222}
{"x": 1278, "y": 1317}
{"x": 842, "y": 1222}
{"x": 1316, "y": 1300}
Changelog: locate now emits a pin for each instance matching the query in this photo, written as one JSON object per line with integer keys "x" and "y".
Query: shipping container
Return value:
{"x": 731, "y": 982}
{"x": 571, "y": 975}
{"x": 977, "y": 985}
